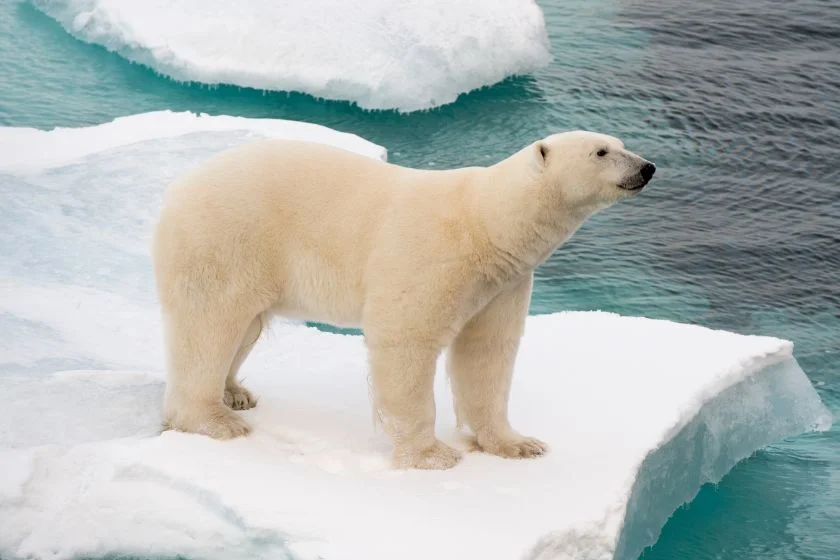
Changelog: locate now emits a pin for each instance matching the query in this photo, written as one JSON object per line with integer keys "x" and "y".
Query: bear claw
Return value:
{"x": 239, "y": 398}
{"x": 512, "y": 447}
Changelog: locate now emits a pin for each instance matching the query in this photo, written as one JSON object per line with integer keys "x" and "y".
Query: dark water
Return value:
{"x": 757, "y": 89}
{"x": 739, "y": 105}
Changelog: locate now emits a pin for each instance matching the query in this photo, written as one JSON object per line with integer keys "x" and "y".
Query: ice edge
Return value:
{"x": 772, "y": 402}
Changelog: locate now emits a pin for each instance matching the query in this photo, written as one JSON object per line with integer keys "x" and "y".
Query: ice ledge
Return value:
{"x": 774, "y": 401}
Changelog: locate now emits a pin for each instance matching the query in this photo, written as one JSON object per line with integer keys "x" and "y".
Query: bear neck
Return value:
{"x": 523, "y": 228}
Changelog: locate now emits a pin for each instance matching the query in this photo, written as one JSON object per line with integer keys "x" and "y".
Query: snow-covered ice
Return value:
{"x": 639, "y": 413}
{"x": 635, "y": 431}
{"x": 382, "y": 54}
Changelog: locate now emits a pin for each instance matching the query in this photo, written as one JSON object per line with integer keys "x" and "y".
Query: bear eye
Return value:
{"x": 602, "y": 152}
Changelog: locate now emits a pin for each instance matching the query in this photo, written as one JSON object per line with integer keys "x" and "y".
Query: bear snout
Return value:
{"x": 647, "y": 172}
{"x": 639, "y": 180}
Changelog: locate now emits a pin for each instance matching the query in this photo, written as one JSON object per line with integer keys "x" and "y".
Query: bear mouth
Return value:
{"x": 634, "y": 187}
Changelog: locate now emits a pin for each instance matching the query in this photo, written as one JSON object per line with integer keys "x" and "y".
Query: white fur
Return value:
{"x": 420, "y": 260}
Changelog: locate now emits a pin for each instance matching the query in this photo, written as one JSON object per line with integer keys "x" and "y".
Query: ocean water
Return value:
{"x": 739, "y": 106}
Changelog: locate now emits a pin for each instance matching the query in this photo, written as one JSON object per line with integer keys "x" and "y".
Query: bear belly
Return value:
{"x": 326, "y": 294}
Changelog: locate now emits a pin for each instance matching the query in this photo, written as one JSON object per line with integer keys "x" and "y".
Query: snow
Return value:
{"x": 639, "y": 413}
{"x": 381, "y": 54}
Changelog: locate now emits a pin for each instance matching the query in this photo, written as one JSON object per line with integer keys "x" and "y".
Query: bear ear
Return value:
{"x": 542, "y": 151}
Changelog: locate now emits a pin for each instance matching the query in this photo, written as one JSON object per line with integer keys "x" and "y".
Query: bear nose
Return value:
{"x": 647, "y": 171}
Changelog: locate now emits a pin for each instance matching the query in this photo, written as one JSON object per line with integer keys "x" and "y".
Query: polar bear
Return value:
{"x": 422, "y": 261}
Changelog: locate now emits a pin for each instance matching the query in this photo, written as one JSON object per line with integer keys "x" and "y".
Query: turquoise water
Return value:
{"x": 740, "y": 109}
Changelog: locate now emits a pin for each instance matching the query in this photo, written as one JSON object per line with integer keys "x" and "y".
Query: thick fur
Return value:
{"x": 421, "y": 260}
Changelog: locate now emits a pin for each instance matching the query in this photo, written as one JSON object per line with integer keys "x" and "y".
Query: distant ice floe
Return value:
{"x": 31, "y": 148}
{"x": 639, "y": 413}
{"x": 381, "y": 54}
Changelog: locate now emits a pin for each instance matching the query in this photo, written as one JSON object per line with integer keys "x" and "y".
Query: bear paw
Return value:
{"x": 437, "y": 457}
{"x": 218, "y": 422}
{"x": 511, "y": 447}
{"x": 239, "y": 398}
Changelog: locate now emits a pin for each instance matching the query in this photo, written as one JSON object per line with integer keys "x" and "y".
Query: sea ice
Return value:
{"x": 639, "y": 413}
{"x": 25, "y": 148}
{"x": 381, "y": 54}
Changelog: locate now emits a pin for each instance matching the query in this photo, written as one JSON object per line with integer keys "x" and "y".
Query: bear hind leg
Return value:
{"x": 236, "y": 396}
{"x": 201, "y": 348}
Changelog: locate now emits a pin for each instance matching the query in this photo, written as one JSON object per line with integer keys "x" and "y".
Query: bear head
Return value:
{"x": 588, "y": 170}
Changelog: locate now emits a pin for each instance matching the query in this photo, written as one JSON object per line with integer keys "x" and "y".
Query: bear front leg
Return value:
{"x": 402, "y": 377}
{"x": 480, "y": 364}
